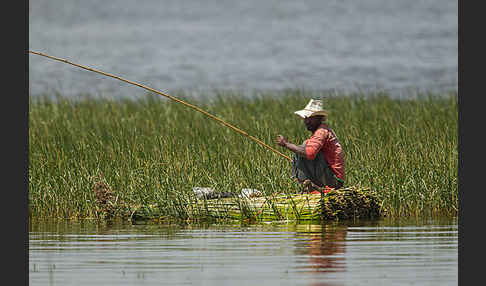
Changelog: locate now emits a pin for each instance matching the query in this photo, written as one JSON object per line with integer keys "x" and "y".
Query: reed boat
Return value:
{"x": 345, "y": 203}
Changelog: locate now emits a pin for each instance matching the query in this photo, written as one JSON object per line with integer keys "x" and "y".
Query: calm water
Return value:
{"x": 385, "y": 252}
{"x": 245, "y": 45}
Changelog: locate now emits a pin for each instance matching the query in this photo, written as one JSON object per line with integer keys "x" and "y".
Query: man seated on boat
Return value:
{"x": 319, "y": 162}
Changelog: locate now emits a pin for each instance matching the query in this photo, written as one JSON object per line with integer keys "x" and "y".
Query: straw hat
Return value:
{"x": 313, "y": 108}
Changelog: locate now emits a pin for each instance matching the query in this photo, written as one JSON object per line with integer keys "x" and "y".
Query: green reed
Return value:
{"x": 154, "y": 151}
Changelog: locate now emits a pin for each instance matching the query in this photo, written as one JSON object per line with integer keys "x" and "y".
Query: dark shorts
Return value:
{"x": 317, "y": 170}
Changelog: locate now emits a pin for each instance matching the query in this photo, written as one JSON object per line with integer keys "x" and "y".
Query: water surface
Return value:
{"x": 383, "y": 252}
{"x": 245, "y": 45}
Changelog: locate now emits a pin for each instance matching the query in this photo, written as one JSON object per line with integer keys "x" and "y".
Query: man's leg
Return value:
{"x": 332, "y": 180}
{"x": 317, "y": 171}
{"x": 313, "y": 170}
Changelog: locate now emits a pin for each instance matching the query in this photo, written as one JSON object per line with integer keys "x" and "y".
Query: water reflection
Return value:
{"x": 344, "y": 253}
{"x": 325, "y": 248}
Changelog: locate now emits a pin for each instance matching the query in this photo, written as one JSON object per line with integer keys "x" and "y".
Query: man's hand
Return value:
{"x": 282, "y": 141}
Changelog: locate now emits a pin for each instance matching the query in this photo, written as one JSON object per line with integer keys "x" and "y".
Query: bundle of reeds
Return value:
{"x": 346, "y": 203}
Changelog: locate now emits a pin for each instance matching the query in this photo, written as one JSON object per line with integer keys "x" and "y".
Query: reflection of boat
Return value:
{"x": 345, "y": 203}
{"x": 324, "y": 247}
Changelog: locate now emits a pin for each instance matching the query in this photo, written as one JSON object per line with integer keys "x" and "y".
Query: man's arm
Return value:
{"x": 282, "y": 141}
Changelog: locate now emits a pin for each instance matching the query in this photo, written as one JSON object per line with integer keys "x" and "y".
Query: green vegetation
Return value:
{"x": 154, "y": 151}
{"x": 342, "y": 204}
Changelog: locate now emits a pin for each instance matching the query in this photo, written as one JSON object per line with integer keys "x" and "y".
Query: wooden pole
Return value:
{"x": 170, "y": 97}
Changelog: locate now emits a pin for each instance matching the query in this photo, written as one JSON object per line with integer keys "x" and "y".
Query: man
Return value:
{"x": 319, "y": 162}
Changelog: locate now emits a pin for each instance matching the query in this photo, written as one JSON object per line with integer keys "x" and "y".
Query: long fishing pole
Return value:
{"x": 170, "y": 97}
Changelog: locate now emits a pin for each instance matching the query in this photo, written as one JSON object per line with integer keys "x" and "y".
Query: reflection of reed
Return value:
{"x": 50, "y": 272}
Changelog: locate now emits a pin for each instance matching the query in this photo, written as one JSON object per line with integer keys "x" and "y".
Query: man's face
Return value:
{"x": 312, "y": 123}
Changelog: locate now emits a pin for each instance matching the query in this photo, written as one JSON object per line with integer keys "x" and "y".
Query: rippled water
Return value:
{"x": 384, "y": 252}
{"x": 245, "y": 45}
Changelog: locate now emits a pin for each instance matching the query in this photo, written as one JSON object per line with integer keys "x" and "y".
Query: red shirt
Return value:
{"x": 325, "y": 141}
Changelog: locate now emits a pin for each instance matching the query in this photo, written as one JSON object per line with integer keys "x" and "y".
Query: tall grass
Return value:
{"x": 153, "y": 151}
